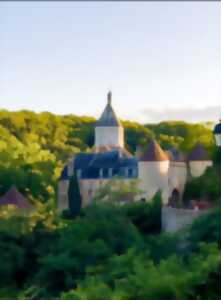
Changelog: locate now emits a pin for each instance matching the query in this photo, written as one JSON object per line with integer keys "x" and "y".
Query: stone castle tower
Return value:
{"x": 108, "y": 130}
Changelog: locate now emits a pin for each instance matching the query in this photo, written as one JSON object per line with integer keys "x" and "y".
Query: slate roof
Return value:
{"x": 108, "y": 117}
{"x": 91, "y": 163}
{"x": 199, "y": 153}
{"x": 154, "y": 153}
{"x": 217, "y": 129}
{"x": 14, "y": 197}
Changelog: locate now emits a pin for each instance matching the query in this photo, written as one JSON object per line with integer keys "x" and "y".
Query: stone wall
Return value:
{"x": 174, "y": 219}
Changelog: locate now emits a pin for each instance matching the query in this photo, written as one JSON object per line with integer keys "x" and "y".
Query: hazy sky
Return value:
{"x": 161, "y": 60}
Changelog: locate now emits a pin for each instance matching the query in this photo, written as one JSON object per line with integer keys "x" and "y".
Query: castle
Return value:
{"x": 155, "y": 169}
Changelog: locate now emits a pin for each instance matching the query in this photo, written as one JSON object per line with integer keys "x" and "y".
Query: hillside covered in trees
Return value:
{"x": 108, "y": 252}
{"x": 34, "y": 147}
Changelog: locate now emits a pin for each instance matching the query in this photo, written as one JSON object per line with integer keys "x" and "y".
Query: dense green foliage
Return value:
{"x": 74, "y": 196}
{"x": 34, "y": 148}
{"x": 207, "y": 186}
{"x": 106, "y": 253}
{"x": 56, "y": 255}
{"x": 183, "y": 135}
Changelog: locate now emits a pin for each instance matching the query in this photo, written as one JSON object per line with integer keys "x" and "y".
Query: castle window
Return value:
{"x": 101, "y": 175}
{"x": 105, "y": 173}
{"x": 130, "y": 173}
{"x": 134, "y": 172}
{"x": 79, "y": 173}
{"x": 115, "y": 172}
{"x": 110, "y": 172}
{"x": 126, "y": 172}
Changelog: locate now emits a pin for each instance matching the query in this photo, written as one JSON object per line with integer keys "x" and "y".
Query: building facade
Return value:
{"x": 155, "y": 169}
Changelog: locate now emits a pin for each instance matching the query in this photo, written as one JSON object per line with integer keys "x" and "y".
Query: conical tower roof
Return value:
{"x": 198, "y": 153}
{"x": 14, "y": 197}
{"x": 154, "y": 153}
{"x": 108, "y": 117}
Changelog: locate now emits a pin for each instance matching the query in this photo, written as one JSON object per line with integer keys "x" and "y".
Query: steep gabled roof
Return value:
{"x": 14, "y": 197}
{"x": 199, "y": 153}
{"x": 108, "y": 117}
{"x": 154, "y": 153}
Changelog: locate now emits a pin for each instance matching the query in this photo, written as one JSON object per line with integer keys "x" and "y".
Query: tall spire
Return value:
{"x": 109, "y": 97}
{"x": 108, "y": 117}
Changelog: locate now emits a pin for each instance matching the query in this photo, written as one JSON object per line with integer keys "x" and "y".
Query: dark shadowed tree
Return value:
{"x": 74, "y": 196}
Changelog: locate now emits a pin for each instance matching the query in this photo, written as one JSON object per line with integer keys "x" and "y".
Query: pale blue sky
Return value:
{"x": 161, "y": 60}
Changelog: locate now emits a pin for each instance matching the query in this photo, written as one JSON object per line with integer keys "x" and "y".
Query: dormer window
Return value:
{"x": 130, "y": 173}
{"x": 105, "y": 173}
{"x": 101, "y": 175}
{"x": 79, "y": 173}
{"x": 110, "y": 172}
{"x": 126, "y": 172}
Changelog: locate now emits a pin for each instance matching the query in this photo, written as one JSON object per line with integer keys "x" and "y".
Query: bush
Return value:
{"x": 145, "y": 216}
{"x": 74, "y": 196}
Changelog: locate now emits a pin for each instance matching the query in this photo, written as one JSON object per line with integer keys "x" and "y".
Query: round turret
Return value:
{"x": 153, "y": 167}
{"x": 199, "y": 160}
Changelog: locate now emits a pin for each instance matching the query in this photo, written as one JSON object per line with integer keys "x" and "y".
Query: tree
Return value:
{"x": 118, "y": 191}
{"x": 74, "y": 196}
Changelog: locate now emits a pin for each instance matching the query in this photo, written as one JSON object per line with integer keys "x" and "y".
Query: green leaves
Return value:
{"x": 74, "y": 196}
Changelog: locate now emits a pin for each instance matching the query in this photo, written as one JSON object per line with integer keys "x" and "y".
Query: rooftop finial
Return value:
{"x": 109, "y": 97}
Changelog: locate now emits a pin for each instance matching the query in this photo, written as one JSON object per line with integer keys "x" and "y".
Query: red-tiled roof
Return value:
{"x": 154, "y": 153}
